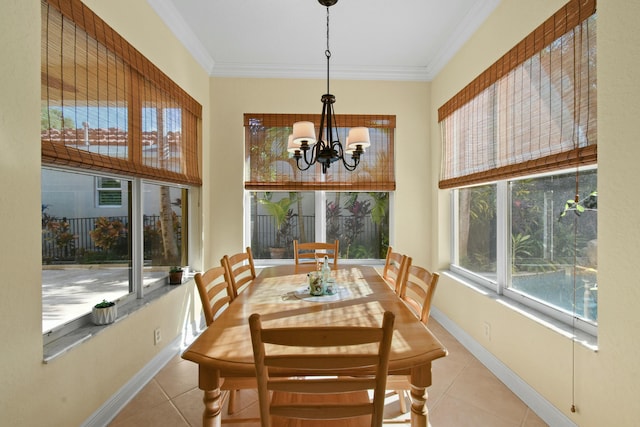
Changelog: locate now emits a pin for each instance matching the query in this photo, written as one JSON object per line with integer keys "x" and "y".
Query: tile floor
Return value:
{"x": 464, "y": 394}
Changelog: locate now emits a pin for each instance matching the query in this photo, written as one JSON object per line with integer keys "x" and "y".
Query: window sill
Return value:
{"x": 583, "y": 338}
{"x": 87, "y": 330}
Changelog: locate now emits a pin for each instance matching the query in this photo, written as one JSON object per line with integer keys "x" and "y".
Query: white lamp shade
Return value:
{"x": 291, "y": 147}
{"x": 304, "y": 131}
{"x": 358, "y": 136}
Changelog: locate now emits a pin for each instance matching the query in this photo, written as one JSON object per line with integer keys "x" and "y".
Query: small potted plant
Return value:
{"x": 104, "y": 312}
{"x": 175, "y": 275}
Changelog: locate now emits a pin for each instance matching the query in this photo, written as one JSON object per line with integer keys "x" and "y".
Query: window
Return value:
{"x": 119, "y": 156}
{"x": 520, "y": 155}
{"x": 86, "y": 256}
{"x": 287, "y": 204}
{"x": 359, "y": 220}
{"x": 109, "y": 192}
{"x": 525, "y": 239}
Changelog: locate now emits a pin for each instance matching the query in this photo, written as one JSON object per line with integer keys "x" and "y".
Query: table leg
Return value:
{"x": 419, "y": 411}
{"x": 420, "y": 380}
{"x": 209, "y": 381}
{"x": 211, "y": 416}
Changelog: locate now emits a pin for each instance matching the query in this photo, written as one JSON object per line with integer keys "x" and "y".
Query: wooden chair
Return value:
{"x": 394, "y": 269}
{"x": 216, "y": 294}
{"x": 240, "y": 269}
{"x": 322, "y": 381}
{"x": 307, "y": 252}
{"x": 416, "y": 290}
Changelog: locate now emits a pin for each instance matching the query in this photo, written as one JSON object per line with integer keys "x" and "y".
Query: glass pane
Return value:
{"x": 85, "y": 249}
{"x": 277, "y": 218}
{"x": 163, "y": 211}
{"x": 162, "y": 139}
{"x": 477, "y": 230}
{"x": 554, "y": 241}
{"x": 361, "y": 222}
{"x": 109, "y": 198}
{"x": 109, "y": 183}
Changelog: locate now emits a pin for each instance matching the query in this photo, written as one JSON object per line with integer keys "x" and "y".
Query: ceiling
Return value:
{"x": 369, "y": 39}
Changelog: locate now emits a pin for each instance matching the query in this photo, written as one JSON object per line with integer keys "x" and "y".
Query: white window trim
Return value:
{"x": 503, "y": 277}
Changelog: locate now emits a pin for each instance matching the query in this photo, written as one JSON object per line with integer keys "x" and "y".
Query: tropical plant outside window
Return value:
{"x": 359, "y": 220}
{"x": 552, "y": 245}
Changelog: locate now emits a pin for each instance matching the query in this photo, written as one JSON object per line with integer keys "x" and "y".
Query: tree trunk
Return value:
{"x": 170, "y": 246}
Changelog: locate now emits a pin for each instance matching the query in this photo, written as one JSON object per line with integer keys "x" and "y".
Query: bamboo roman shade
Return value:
{"x": 269, "y": 167}
{"x": 532, "y": 111}
{"x": 105, "y": 107}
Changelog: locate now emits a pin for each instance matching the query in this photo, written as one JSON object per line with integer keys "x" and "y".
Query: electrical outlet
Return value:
{"x": 487, "y": 331}
{"x": 157, "y": 337}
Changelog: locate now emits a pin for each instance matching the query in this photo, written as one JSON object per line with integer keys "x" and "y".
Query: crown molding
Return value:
{"x": 470, "y": 23}
{"x": 319, "y": 72}
{"x": 173, "y": 19}
{"x": 462, "y": 33}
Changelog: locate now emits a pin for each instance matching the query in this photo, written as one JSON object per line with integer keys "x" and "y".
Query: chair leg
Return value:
{"x": 232, "y": 402}
{"x": 403, "y": 402}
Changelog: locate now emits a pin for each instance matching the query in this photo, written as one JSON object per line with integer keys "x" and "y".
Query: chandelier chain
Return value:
{"x": 328, "y": 51}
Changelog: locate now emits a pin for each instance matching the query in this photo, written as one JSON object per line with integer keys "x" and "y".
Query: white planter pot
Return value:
{"x": 104, "y": 316}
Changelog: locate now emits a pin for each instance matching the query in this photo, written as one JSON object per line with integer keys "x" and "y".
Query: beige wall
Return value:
{"x": 231, "y": 98}
{"x": 606, "y": 384}
{"x": 73, "y": 386}
{"x": 68, "y": 390}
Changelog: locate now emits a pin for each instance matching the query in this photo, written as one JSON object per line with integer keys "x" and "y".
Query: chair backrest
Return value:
{"x": 319, "y": 369}
{"x": 418, "y": 288}
{"x": 240, "y": 269}
{"x": 394, "y": 269}
{"x": 307, "y": 252}
{"x": 215, "y": 292}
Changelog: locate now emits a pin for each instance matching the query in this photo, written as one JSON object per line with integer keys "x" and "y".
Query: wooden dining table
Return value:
{"x": 280, "y": 295}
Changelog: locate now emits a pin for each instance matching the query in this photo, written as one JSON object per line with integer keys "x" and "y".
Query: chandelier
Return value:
{"x": 327, "y": 149}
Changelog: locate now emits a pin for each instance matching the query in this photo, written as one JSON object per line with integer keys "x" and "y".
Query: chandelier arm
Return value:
{"x": 302, "y": 155}
{"x": 305, "y": 167}
{"x": 348, "y": 166}
{"x": 314, "y": 156}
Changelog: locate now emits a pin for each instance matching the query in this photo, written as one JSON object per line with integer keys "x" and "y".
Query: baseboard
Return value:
{"x": 534, "y": 400}
{"x": 107, "y": 412}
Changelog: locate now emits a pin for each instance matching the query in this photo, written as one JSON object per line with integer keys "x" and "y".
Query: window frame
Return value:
{"x": 320, "y": 225}
{"x": 501, "y": 286}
